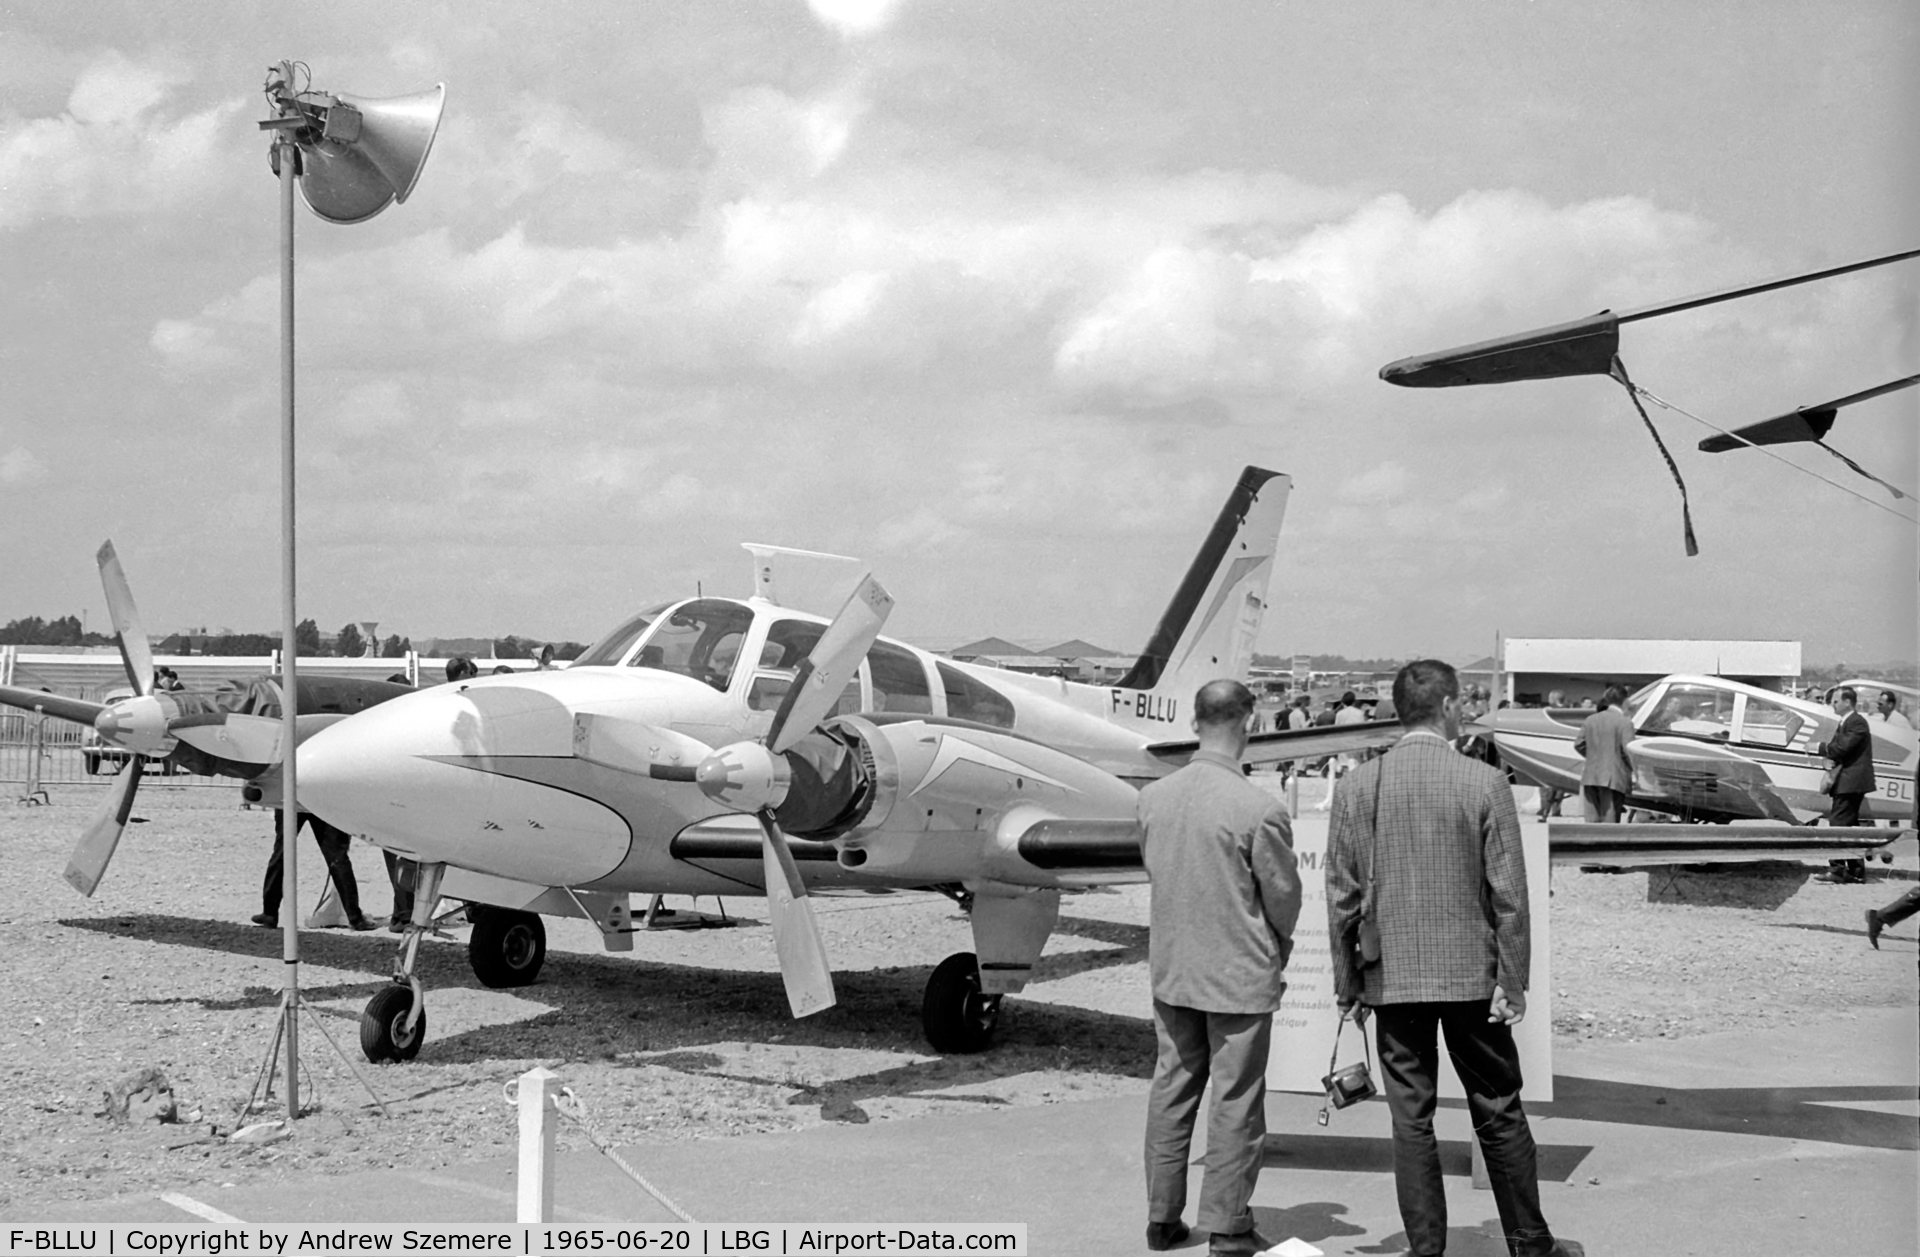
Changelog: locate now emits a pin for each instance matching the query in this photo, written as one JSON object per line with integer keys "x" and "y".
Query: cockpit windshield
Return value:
{"x": 700, "y": 639}
{"x": 613, "y": 647}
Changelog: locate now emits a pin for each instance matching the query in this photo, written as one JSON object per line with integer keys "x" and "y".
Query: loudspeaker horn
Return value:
{"x": 369, "y": 152}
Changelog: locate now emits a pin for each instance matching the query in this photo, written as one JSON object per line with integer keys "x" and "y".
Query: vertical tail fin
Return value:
{"x": 1208, "y": 630}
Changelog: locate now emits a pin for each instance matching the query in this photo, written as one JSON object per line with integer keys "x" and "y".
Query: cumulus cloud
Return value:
{"x": 120, "y": 147}
{"x": 19, "y": 468}
{"x": 854, "y": 18}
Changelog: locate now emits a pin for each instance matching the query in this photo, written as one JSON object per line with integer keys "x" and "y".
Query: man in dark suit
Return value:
{"x": 1606, "y": 779}
{"x": 1851, "y": 750}
{"x": 1226, "y": 895}
{"x": 1426, "y": 843}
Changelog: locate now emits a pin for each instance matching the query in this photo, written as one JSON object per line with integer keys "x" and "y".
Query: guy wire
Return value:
{"x": 1662, "y": 402}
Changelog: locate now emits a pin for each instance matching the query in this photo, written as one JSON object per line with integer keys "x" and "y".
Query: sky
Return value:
{"x": 997, "y": 297}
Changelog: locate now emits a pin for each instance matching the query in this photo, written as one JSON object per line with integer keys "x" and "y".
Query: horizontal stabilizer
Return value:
{"x": 1281, "y": 745}
{"x": 1581, "y": 843}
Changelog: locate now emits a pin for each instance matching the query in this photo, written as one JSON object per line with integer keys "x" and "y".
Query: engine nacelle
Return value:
{"x": 948, "y": 800}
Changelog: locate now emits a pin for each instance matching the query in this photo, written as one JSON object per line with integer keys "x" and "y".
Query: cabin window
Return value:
{"x": 788, "y": 644}
{"x": 968, "y": 699}
{"x": 698, "y": 639}
{"x": 1769, "y": 724}
{"x": 899, "y": 682}
{"x": 1696, "y": 711}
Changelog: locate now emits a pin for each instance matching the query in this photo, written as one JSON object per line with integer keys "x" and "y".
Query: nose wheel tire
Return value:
{"x": 506, "y": 947}
{"x": 383, "y": 1026}
{"x": 955, "y": 1016}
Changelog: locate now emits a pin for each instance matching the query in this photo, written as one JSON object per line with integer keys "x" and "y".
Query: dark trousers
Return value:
{"x": 333, "y": 849}
{"x": 1230, "y": 1048}
{"x": 400, "y": 874}
{"x": 1900, "y": 909}
{"x": 1604, "y": 805}
{"x": 1846, "y": 811}
{"x": 1484, "y": 1057}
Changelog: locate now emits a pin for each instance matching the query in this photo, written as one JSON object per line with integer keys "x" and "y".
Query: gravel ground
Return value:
{"x": 688, "y": 1037}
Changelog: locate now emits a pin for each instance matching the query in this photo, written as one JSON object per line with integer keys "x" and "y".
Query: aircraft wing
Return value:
{"x": 1580, "y": 843}
{"x": 1281, "y": 745}
{"x": 1701, "y": 775}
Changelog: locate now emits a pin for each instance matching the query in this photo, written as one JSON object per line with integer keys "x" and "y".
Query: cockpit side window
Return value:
{"x": 788, "y": 644}
{"x": 899, "y": 682}
{"x": 1695, "y": 710}
{"x": 610, "y": 649}
{"x": 968, "y": 699}
{"x": 1769, "y": 724}
{"x": 698, "y": 639}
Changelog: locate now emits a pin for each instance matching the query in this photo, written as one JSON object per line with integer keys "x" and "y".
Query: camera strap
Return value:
{"x": 1333, "y": 1062}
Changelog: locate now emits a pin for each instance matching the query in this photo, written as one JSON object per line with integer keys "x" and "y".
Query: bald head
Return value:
{"x": 1222, "y": 704}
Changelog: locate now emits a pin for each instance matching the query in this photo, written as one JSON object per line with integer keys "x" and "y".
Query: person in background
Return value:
{"x": 1226, "y": 894}
{"x": 543, "y": 660}
{"x": 1549, "y": 797}
{"x": 1899, "y": 910}
{"x": 1851, "y": 750}
{"x": 1426, "y": 845}
{"x": 1886, "y": 711}
{"x": 1606, "y": 778}
{"x": 333, "y": 845}
{"x": 461, "y": 668}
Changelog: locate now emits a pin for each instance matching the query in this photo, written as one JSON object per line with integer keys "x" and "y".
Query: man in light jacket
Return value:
{"x": 1606, "y": 779}
{"x": 1226, "y": 895}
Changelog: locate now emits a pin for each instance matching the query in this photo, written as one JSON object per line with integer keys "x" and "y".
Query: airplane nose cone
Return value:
{"x": 484, "y": 779}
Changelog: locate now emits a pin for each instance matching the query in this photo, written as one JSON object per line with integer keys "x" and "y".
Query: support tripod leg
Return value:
{"x": 268, "y": 1067}
{"x": 321, "y": 1027}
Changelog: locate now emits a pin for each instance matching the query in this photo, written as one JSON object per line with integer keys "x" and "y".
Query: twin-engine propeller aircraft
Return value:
{"x": 714, "y": 746}
{"x": 229, "y": 733}
{"x": 1710, "y": 749}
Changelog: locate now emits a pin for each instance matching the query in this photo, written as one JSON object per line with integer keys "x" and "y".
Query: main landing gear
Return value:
{"x": 506, "y": 947}
{"x": 955, "y": 1016}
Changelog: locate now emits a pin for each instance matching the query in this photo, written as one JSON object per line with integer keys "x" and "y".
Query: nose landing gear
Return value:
{"x": 394, "y": 1023}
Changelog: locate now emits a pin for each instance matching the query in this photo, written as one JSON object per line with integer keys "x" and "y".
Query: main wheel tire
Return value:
{"x": 506, "y": 947}
{"x": 955, "y": 1016}
{"x": 383, "y": 1026}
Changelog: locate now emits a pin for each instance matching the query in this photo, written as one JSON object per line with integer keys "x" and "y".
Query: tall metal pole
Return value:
{"x": 289, "y": 695}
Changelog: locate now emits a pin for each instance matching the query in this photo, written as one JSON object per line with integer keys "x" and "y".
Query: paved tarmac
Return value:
{"x": 1804, "y": 1141}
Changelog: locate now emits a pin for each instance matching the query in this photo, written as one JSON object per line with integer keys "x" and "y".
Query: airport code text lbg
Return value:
{"x": 272, "y": 1240}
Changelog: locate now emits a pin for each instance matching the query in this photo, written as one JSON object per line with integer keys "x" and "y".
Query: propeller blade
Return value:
{"x": 59, "y": 706}
{"x": 126, "y": 621}
{"x": 232, "y": 736}
{"x": 834, "y": 660}
{"x": 796, "y": 935}
{"x": 88, "y": 863}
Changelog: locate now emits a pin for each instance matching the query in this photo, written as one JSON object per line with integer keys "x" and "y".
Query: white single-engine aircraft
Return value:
{"x": 714, "y": 746}
{"x": 1711, "y": 749}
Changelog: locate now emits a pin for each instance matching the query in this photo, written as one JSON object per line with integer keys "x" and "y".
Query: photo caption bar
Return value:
{"x": 273, "y": 1240}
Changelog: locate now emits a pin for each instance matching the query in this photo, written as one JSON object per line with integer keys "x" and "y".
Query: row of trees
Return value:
{"x": 62, "y": 631}
{"x": 348, "y": 643}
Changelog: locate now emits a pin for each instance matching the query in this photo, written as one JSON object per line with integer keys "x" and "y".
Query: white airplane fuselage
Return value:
{"x": 483, "y": 775}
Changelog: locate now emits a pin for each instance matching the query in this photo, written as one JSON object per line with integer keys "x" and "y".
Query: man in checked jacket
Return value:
{"x": 1436, "y": 835}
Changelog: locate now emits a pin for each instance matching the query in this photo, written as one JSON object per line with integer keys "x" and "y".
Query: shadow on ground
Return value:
{"x": 639, "y": 1013}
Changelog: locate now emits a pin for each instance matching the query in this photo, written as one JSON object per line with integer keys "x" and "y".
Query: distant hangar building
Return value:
{"x": 1530, "y": 668}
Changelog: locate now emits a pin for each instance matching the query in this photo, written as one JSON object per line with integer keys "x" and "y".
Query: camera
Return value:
{"x": 1348, "y": 1085}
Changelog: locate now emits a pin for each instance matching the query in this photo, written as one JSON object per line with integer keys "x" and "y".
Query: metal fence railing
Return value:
{"x": 50, "y": 752}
